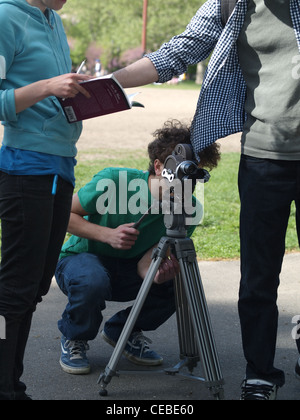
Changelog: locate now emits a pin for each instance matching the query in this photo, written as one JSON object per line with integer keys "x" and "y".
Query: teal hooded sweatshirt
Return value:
{"x": 33, "y": 46}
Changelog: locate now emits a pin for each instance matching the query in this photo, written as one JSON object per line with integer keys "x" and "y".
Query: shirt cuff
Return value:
{"x": 8, "y": 105}
{"x": 162, "y": 66}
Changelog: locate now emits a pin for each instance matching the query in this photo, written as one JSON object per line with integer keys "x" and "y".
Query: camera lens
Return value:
{"x": 188, "y": 168}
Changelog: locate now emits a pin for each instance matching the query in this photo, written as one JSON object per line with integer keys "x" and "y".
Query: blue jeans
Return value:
{"x": 89, "y": 281}
{"x": 267, "y": 190}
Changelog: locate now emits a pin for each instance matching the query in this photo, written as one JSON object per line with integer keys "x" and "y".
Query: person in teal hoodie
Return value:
{"x": 37, "y": 162}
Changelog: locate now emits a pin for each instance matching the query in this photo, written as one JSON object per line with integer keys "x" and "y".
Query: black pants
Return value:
{"x": 267, "y": 189}
{"x": 34, "y": 224}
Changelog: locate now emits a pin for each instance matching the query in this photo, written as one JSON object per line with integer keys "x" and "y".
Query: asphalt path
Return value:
{"x": 46, "y": 381}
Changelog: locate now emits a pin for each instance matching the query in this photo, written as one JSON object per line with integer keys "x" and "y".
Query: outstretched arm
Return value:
{"x": 139, "y": 73}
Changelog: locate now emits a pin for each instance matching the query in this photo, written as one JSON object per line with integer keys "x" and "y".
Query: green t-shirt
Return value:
{"x": 117, "y": 196}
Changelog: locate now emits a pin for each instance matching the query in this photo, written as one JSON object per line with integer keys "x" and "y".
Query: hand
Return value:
{"x": 168, "y": 270}
{"x": 123, "y": 237}
{"x": 67, "y": 85}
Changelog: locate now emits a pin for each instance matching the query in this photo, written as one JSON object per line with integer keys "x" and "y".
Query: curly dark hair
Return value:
{"x": 173, "y": 133}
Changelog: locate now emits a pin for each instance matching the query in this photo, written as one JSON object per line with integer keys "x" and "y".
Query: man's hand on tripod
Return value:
{"x": 168, "y": 270}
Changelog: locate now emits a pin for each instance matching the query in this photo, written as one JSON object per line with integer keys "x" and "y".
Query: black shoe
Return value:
{"x": 20, "y": 392}
{"x": 297, "y": 369}
{"x": 22, "y": 396}
{"x": 258, "y": 390}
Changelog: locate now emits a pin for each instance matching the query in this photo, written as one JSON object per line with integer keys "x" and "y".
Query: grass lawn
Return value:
{"x": 218, "y": 235}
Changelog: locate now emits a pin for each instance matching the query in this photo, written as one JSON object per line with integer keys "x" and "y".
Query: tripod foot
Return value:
{"x": 103, "y": 393}
{"x": 218, "y": 394}
{"x": 104, "y": 381}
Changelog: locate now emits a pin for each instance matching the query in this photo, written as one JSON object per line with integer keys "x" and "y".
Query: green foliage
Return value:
{"x": 116, "y": 25}
{"x": 168, "y": 18}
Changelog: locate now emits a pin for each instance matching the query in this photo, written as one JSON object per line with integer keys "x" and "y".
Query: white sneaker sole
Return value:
{"x": 74, "y": 371}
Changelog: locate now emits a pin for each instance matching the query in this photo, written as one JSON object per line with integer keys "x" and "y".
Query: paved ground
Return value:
{"x": 46, "y": 381}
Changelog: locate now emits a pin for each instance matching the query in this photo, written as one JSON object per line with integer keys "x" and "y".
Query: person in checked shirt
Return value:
{"x": 251, "y": 86}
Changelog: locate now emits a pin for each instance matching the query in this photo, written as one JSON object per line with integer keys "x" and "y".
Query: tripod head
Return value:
{"x": 181, "y": 166}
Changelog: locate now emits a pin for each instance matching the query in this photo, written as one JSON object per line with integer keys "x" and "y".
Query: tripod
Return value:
{"x": 194, "y": 326}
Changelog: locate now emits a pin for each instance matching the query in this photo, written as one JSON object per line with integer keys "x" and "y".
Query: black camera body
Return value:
{"x": 182, "y": 165}
{"x": 181, "y": 168}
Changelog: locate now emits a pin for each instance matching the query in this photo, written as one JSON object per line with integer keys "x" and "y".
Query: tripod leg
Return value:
{"x": 188, "y": 347}
{"x": 110, "y": 371}
{"x": 200, "y": 316}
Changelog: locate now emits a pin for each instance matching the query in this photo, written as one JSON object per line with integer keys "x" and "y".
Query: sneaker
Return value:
{"x": 259, "y": 390}
{"x": 73, "y": 357}
{"x": 137, "y": 349}
{"x": 297, "y": 369}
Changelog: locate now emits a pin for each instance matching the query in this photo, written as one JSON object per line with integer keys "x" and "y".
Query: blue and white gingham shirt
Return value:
{"x": 221, "y": 106}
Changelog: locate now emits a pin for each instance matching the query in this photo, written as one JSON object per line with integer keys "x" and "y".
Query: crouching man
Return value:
{"x": 107, "y": 259}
